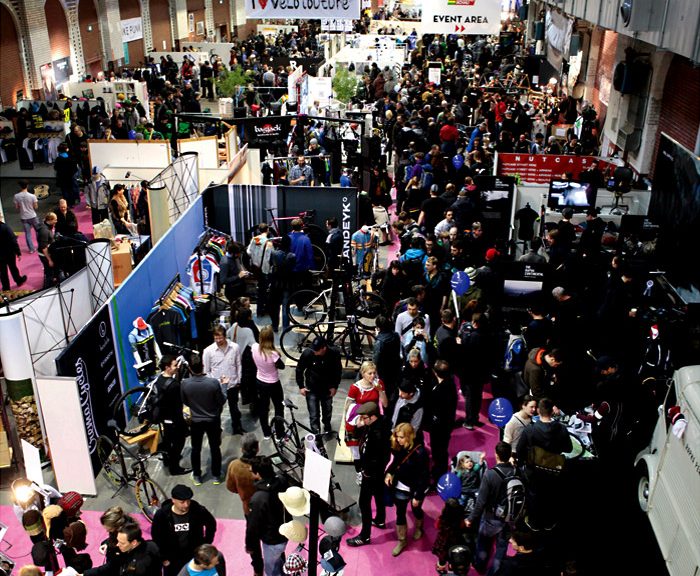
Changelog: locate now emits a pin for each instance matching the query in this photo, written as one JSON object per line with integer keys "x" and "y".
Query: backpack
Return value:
{"x": 516, "y": 354}
{"x": 426, "y": 177}
{"x": 511, "y": 503}
{"x": 413, "y": 268}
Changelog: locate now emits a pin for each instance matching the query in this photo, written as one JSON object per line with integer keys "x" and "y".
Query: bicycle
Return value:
{"x": 354, "y": 340}
{"x": 123, "y": 467}
{"x": 315, "y": 233}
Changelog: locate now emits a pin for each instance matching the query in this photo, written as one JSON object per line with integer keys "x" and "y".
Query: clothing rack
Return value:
{"x": 171, "y": 286}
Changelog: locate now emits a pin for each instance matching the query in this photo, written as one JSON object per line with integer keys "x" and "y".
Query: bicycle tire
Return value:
{"x": 295, "y": 339}
{"x": 286, "y": 443}
{"x": 319, "y": 259}
{"x": 131, "y": 402}
{"x": 366, "y": 345}
{"x": 316, "y": 234}
{"x": 306, "y": 308}
{"x": 109, "y": 459}
{"x": 367, "y": 306}
{"x": 149, "y": 497}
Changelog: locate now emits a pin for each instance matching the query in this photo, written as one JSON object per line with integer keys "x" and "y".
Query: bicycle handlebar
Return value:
{"x": 289, "y": 404}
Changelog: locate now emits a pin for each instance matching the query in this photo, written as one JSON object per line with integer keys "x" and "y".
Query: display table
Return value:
{"x": 148, "y": 440}
{"x": 121, "y": 261}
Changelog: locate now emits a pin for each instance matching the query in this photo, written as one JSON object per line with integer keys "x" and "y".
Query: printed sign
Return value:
{"x": 542, "y": 168}
{"x": 132, "y": 29}
{"x": 302, "y": 9}
{"x": 62, "y": 70}
{"x": 462, "y": 16}
{"x": 263, "y": 131}
{"x": 275, "y": 29}
{"x": 460, "y": 282}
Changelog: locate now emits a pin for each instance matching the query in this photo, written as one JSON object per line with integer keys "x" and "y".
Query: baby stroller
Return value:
{"x": 470, "y": 486}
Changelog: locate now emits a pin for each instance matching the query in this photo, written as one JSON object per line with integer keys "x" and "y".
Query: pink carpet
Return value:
{"x": 31, "y": 266}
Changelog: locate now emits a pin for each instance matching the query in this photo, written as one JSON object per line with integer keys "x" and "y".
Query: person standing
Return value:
{"x": 26, "y": 204}
{"x": 9, "y": 254}
{"x": 374, "y": 455}
{"x": 266, "y": 516}
{"x": 45, "y": 237}
{"x": 334, "y": 243}
{"x": 222, "y": 361}
{"x": 66, "y": 168}
{"x": 205, "y": 561}
{"x": 205, "y": 398}
{"x": 97, "y": 194}
{"x": 386, "y": 355}
{"x": 260, "y": 251}
{"x": 442, "y": 409}
{"x": 520, "y": 421}
{"x": 491, "y": 529}
{"x": 67, "y": 223}
{"x": 138, "y": 557}
{"x": 268, "y": 363}
{"x": 170, "y": 413}
{"x": 180, "y": 525}
{"x": 301, "y": 246}
{"x": 301, "y": 173}
{"x": 318, "y": 376}
{"x": 281, "y": 282}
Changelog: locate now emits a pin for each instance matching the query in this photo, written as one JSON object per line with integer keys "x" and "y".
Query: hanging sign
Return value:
{"x": 302, "y": 9}
{"x": 462, "y": 16}
{"x": 264, "y": 131}
{"x": 132, "y": 29}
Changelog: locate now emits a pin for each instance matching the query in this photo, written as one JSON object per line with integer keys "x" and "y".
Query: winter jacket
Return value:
{"x": 412, "y": 468}
{"x": 489, "y": 492}
{"x": 266, "y": 514}
{"x": 387, "y": 357}
{"x": 374, "y": 449}
{"x": 442, "y": 406}
{"x": 202, "y": 527}
{"x": 319, "y": 374}
{"x": 144, "y": 560}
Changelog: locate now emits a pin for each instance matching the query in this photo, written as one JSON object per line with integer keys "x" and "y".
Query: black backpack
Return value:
{"x": 511, "y": 501}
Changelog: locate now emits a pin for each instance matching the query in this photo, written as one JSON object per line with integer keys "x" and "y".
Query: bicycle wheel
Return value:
{"x": 357, "y": 346}
{"x": 367, "y": 306}
{"x": 134, "y": 403}
{"x": 109, "y": 459}
{"x": 286, "y": 443}
{"x": 307, "y": 307}
{"x": 295, "y": 339}
{"x": 149, "y": 497}
{"x": 319, "y": 259}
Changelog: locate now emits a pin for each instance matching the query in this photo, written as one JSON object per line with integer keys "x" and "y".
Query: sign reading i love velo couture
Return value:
{"x": 302, "y": 9}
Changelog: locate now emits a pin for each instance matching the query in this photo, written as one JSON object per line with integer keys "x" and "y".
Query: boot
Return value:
{"x": 418, "y": 530}
{"x": 401, "y": 534}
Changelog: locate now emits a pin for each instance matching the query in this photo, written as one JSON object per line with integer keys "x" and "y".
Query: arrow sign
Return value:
{"x": 460, "y": 282}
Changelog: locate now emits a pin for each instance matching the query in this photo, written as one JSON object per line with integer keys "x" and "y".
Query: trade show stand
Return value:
{"x": 110, "y": 92}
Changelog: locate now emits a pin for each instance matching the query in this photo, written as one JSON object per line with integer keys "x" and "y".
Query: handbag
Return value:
{"x": 546, "y": 461}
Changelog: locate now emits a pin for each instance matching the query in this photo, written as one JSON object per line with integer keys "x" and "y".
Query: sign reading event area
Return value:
{"x": 302, "y": 9}
{"x": 462, "y": 16}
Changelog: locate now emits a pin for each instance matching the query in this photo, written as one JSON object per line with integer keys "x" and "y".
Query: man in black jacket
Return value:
{"x": 138, "y": 557}
{"x": 266, "y": 516}
{"x": 318, "y": 377}
{"x": 483, "y": 514}
{"x": 170, "y": 414}
{"x": 374, "y": 455}
{"x": 9, "y": 253}
{"x": 387, "y": 355}
{"x": 205, "y": 398}
{"x": 179, "y": 526}
{"x": 440, "y": 420}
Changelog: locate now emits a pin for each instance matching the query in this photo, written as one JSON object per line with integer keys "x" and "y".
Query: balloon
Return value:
{"x": 500, "y": 412}
{"x": 457, "y": 161}
{"x": 132, "y": 134}
{"x": 449, "y": 486}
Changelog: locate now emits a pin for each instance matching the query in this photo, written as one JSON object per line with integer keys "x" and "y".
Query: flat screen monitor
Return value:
{"x": 571, "y": 194}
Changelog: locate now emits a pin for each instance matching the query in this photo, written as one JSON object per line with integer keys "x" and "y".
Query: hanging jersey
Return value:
{"x": 202, "y": 271}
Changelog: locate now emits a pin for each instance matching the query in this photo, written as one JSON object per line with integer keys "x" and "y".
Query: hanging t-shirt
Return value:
{"x": 202, "y": 271}
{"x": 168, "y": 326}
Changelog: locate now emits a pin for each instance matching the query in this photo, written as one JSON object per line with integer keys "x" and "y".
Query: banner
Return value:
{"x": 132, "y": 29}
{"x": 275, "y": 29}
{"x": 302, "y": 9}
{"x": 462, "y": 16}
{"x": 92, "y": 359}
{"x": 311, "y": 65}
{"x": 542, "y": 168}
{"x": 261, "y": 132}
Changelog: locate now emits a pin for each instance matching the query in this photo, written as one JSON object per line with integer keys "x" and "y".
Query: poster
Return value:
{"x": 62, "y": 70}
{"x": 48, "y": 82}
{"x": 259, "y": 132}
{"x": 542, "y": 168}
{"x": 434, "y": 72}
{"x": 132, "y": 29}
{"x": 91, "y": 357}
{"x": 462, "y": 16}
{"x": 311, "y": 65}
{"x": 302, "y": 9}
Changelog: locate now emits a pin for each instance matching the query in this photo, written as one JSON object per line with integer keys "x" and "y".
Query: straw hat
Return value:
{"x": 294, "y": 531}
{"x": 296, "y": 500}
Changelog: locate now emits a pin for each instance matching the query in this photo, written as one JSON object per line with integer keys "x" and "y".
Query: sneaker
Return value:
{"x": 357, "y": 541}
{"x": 358, "y": 479}
{"x": 267, "y": 437}
{"x": 380, "y": 525}
{"x": 196, "y": 480}
{"x": 467, "y": 426}
{"x": 21, "y": 281}
{"x": 180, "y": 471}
{"x": 219, "y": 480}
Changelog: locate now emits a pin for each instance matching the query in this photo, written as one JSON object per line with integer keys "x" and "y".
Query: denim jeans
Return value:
{"x": 273, "y": 558}
{"x": 318, "y": 404}
{"x": 484, "y": 546}
{"x": 29, "y": 224}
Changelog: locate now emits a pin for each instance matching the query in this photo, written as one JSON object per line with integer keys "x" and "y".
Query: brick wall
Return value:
{"x": 680, "y": 113}
{"x": 11, "y": 73}
{"x": 131, "y": 9}
{"x": 87, "y": 16}
{"x": 198, "y": 17}
{"x": 194, "y": 5}
{"x": 604, "y": 72}
{"x": 160, "y": 24}
{"x": 221, "y": 13}
{"x": 58, "y": 30}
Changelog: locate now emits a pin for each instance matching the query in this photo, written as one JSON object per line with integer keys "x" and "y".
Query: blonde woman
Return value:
{"x": 408, "y": 475}
{"x": 368, "y": 388}
{"x": 268, "y": 363}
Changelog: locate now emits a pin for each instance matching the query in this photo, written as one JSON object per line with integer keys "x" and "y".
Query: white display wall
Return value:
{"x": 129, "y": 154}
{"x": 108, "y": 92}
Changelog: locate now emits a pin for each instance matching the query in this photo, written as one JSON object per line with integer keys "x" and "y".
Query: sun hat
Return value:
{"x": 294, "y": 531}
{"x": 296, "y": 500}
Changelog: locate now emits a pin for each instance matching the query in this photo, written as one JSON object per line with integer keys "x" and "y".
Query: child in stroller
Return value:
{"x": 470, "y": 467}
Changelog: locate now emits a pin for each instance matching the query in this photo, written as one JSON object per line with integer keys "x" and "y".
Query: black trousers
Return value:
{"x": 212, "y": 429}
{"x": 371, "y": 487}
{"x": 173, "y": 443}
{"x": 267, "y": 393}
{"x": 232, "y": 396}
{"x": 9, "y": 264}
{"x": 439, "y": 448}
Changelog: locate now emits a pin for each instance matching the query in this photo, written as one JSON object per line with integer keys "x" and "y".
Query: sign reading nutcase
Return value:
{"x": 462, "y": 16}
{"x": 264, "y": 131}
{"x": 302, "y": 9}
{"x": 92, "y": 359}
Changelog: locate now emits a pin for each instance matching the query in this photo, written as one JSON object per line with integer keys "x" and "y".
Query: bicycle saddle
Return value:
{"x": 289, "y": 404}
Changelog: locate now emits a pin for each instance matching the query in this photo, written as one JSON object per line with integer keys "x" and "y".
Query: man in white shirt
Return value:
{"x": 26, "y": 204}
{"x": 260, "y": 251}
{"x": 222, "y": 361}
{"x": 404, "y": 321}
